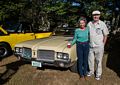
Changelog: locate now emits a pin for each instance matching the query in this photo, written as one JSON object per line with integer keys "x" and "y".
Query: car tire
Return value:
{"x": 5, "y": 50}
{"x": 74, "y": 68}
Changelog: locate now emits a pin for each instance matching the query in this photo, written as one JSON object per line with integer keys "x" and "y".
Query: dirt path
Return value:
{"x": 14, "y": 72}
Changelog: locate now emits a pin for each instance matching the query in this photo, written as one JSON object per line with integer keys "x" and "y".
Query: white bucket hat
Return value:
{"x": 96, "y": 12}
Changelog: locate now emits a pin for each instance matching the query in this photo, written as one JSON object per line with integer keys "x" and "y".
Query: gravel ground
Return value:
{"x": 15, "y": 72}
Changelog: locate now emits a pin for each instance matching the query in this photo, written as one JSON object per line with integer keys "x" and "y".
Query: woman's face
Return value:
{"x": 82, "y": 23}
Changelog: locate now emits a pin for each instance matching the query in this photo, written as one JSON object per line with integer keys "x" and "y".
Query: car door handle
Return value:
{"x": 32, "y": 34}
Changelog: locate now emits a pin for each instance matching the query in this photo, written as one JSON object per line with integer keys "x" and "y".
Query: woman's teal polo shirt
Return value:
{"x": 80, "y": 35}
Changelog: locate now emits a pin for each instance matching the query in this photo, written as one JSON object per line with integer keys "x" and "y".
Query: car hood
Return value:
{"x": 56, "y": 43}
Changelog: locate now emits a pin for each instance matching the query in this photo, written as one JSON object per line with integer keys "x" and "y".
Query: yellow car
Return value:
{"x": 18, "y": 33}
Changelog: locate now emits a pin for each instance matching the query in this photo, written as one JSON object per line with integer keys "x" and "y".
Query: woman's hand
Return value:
{"x": 69, "y": 45}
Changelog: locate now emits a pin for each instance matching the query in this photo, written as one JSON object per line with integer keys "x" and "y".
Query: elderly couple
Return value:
{"x": 90, "y": 41}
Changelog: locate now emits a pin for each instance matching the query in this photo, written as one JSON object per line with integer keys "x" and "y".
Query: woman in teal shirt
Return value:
{"x": 81, "y": 38}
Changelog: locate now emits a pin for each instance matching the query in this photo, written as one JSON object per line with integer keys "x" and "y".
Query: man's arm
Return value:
{"x": 105, "y": 33}
{"x": 105, "y": 39}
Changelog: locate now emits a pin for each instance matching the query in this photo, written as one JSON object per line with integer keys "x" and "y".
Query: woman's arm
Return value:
{"x": 74, "y": 39}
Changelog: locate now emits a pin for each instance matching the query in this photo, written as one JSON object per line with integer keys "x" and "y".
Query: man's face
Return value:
{"x": 96, "y": 17}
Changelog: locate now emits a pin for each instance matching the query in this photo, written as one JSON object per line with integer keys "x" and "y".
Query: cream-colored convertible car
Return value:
{"x": 52, "y": 51}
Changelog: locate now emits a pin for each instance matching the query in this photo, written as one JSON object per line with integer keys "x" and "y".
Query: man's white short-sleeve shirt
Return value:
{"x": 97, "y": 32}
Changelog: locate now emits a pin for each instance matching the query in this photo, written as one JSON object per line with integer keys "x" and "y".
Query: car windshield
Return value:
{"x": 65, "y": 31}
{"x": 11, "y": 27}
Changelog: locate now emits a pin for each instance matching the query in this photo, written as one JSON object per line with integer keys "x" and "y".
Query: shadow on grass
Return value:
{"x": 113, "y": 61}
{"x": 1, "y": 58}
{"x": 11, "y": 69}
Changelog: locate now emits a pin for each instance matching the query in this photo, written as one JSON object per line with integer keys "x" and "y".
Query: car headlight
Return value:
{"x": 63, "y": 56}
{"x": 18, "y": 50}
{"x": 27, "y": 53}
{"x": 59, "y": 55}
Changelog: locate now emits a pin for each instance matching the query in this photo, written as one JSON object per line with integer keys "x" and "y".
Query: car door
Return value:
{"x": 41, "y": 34}
{"x": 6, "y": 37}
{"x": 18, "y": 33}
{"x": 24, "y": 33}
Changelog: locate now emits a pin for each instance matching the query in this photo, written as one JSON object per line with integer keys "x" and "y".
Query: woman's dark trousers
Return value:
{"x": 82, "y": 54}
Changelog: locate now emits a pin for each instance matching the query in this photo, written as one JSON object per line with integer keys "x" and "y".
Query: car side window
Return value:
{"x": 19, "y": 28}
{"x": 27, "y": 28}
{"x": 24, "y": 28}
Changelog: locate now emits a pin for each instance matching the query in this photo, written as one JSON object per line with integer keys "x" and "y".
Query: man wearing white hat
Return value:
{"x": 98, "y": 37}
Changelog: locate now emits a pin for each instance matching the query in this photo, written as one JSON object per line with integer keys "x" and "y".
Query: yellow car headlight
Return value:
{"x": 18, "y": 50}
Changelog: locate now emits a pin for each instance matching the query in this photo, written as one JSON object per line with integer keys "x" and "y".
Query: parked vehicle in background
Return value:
{"x": 19, "y": 32}
{"x": 52, "y": 51}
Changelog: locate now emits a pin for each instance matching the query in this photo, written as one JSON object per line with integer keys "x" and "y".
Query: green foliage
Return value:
{"x": 55, "y": 12}
{"x": 9, "y": 9}
{"x": 96, "y": 6}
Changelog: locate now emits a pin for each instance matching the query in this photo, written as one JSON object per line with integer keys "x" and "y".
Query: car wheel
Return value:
{"x": 74, "y": 68}
{"x": 5, "y": 50}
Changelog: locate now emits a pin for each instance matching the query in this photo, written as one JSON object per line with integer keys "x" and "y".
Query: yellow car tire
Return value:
{"x": 5, "y": 50}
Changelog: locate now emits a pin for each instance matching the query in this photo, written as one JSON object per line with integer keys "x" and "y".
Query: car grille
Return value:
{"x": 47, "y": 55}
{"x": 27, "y": 53}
